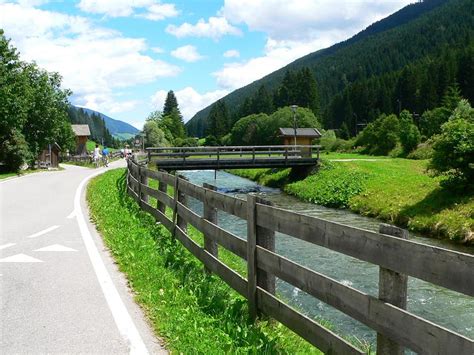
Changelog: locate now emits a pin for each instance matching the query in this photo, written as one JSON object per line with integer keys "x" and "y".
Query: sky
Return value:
{"x": 121, "y": 57}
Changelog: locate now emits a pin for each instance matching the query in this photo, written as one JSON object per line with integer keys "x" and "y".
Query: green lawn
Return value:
{"x": 194, "y": 312}
{"x": 334, "y": 155}
{"x": 399, "y": 191}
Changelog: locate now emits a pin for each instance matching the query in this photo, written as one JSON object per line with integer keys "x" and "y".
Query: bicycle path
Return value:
{"x": 60, "y": 290}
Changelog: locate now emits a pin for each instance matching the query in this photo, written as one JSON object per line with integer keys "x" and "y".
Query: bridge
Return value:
{"x": 234, "y": 157}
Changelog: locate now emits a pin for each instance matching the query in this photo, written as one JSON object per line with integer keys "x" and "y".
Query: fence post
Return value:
{"x": 393, "y": 290}
{"x": 262, "y": 237}
{"x": 138, "y": 189}
{"x": 128, "y": 178}
{"x": 163, "y": 188}
{"x": 143, "y": 180}
{"x": 210, "y": 214}
{"x": 181, "y": 223}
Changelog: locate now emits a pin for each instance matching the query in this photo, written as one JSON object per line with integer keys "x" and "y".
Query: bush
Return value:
{"x": 14, "y": 152}
{"x": 409, "y": 134}
{"x": 380, "y": 136}
{"x": 422, "y": 151}
{"x": 453, "y": 149}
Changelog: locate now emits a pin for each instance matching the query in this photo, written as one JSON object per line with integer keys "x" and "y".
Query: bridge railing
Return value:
{"x": 396, "y": 256}
{"x": 225, "y": 152}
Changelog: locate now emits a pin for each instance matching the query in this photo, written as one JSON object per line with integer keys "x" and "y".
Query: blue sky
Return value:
{"x": 120, "y": 57}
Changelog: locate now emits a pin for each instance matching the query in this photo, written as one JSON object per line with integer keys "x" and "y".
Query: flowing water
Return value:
{"x": 447, "y": 308}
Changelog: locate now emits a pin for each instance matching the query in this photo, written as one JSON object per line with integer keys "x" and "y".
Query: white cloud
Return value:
{"x": 32, "y": 3}
{"x": 231, "y": 53}
{"x": 303, "y": 19}
{"x": 157, "y": 50}
{"x": 149, "y": 9}
{"x": 215, "y": 28}
{"x": 189, "y": 100}
{"x": 160, "y": 11}
{"x": 187, "y": 53}
{"x": 294, "y": 29}
{"x": 93, "y": 61}
{"x": 276, "y": 55}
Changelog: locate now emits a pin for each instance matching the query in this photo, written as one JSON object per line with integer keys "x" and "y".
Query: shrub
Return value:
{"x": 422, "y": 151}
{"x": 14, "y": 152}
{"x": 453, "y": 149}
{"x": 409, "y": 134}
{"x": 380, "y": 136}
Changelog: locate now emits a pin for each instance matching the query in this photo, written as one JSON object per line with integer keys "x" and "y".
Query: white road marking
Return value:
{"x": 8, "y": 245}
{"x": 55, "y": 247}
{"x": 20, "y": 258}
{"x": 47, "y": 230}
{"x": 71, "y": 215}
{"x": 120, "y": 313}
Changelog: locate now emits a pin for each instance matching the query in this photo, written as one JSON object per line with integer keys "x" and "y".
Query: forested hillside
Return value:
{"x": 118, "y": 129}
{"x": 406, "y": 61}
{"x": 99, "y": 131}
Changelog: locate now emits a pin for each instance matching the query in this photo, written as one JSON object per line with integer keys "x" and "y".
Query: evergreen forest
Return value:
{"x": 407, "y": 61}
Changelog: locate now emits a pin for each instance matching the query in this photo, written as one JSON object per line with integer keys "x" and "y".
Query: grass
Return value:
{"x": 23, "y": 172}
{"x": 7, "y": 175}
{"x": 194, "y": 312}
{"x": 334, "y": 155}
{"x": 399, "y": 191}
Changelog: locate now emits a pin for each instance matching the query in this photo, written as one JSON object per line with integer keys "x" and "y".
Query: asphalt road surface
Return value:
{"x": 60, "y": 291}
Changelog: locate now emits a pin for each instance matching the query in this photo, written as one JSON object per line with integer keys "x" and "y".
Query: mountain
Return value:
{"x": 434, "y": 34}
{"x": 117, "y": 128}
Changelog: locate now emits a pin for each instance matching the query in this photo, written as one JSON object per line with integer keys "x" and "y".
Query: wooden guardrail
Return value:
{"x": 252, "y": 152}
{"x": 396, "y": 256}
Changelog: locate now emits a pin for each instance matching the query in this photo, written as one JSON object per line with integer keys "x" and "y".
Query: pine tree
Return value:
{"x": 452, "y": 96}
{"x": 285, "y": 95}
{"x": 219, "y": 122}
{"x": 306, "y": 90}
{"x": 246, "y": 108}
{"x": 170, "y": 103}
{"x": 262, "y": 101}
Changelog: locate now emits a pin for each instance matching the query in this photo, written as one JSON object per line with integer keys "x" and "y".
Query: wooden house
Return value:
{"x": 82, "y": 133}
{"x": 49, "y": 157}
{"x": 302, "y": 136}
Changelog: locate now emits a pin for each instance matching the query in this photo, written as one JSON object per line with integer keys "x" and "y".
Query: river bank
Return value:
{"x": 399, "y": 191}
{"x": 193, "y": 312}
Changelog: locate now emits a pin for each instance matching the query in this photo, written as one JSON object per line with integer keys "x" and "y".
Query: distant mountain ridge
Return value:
{"x": 116, "y": 127}
{"x": 417, "y": 31}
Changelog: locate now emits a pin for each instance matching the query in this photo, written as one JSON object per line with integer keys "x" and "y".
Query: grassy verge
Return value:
{"x": 335, "y": 155}
{"x": 193, "y": 311}
{"x": 23, "y": 172}
{"x": 396, "y": 190}
{"x": 7, "y": 175}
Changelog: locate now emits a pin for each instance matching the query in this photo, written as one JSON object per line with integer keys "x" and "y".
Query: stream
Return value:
{"x": 447, "y": 308}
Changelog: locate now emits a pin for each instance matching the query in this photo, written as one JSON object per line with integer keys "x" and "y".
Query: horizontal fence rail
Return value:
{"x": 396, "y": 256}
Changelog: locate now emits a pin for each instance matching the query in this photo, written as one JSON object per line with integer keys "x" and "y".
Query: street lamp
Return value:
{"x": 293, "y": 108}
{"x": 142, "y": 135}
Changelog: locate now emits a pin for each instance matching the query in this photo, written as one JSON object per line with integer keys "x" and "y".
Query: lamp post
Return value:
{"x": 293, "y": 108}
{"x": 142, "y": 135}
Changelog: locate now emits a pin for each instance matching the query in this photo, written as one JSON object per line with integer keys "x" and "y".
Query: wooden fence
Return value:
{"x": 396, "y": 256}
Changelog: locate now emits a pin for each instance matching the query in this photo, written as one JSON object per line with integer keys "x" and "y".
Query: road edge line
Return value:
{"x": 123, "y": 320}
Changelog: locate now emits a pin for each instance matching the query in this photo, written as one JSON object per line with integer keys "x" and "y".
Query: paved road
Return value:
{"x": 60, "y": 291}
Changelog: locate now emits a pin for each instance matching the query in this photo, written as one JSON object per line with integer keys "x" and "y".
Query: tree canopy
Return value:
{"x": 33, "y": 110}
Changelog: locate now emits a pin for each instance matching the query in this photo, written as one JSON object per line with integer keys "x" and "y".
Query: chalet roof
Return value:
{"x": 300, "y": 132}
{"x": 81, "y": 129}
